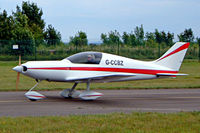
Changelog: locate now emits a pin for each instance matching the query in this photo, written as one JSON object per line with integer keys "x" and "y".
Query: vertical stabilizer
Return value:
{"x": 173, "y": 58}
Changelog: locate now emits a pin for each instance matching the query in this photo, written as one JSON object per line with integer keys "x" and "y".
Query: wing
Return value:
{"x": 102, "y": 77}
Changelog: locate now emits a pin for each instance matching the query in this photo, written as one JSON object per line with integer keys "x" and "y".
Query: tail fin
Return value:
{"x": 174, "y": 56}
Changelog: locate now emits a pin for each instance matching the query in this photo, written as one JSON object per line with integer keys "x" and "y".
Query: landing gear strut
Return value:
{"x": 33, "y": 95}
{"x": 86, "y": 95}
{"x": 70, "y": 93}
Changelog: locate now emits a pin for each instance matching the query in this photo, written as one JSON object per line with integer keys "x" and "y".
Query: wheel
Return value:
{"x": 69, "y": 97}
{"x": 32, "y": 99}
{"x": 68, "y": 94}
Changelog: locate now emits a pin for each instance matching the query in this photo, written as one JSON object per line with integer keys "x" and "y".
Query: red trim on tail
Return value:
{"x": 185, "y": 46}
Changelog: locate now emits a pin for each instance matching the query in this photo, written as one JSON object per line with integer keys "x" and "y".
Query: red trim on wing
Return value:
{"x": 107, "y": 69}
{"x": 185, "y": 46}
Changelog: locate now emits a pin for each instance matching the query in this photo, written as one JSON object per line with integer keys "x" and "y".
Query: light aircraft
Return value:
{"x": 88, "y": 67}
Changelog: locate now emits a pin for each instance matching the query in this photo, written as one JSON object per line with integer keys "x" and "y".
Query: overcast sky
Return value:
{"x": 101, "y": 16}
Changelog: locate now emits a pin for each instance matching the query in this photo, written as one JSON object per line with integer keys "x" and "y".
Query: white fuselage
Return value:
{"x": 65, "y": 71}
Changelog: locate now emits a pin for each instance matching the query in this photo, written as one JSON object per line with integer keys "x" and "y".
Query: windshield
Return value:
{"x": 86, "y": 58}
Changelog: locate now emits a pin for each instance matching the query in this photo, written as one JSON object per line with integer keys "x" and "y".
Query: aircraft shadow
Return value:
{"x": 100, "y": 101}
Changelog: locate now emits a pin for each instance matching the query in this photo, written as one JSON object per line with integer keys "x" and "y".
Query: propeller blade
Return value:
{"x": 18, "y": 74}
{"x": 17, "y": 81}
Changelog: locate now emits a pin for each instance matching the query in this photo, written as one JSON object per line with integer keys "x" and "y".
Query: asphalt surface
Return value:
{"x": 151, "y": 100}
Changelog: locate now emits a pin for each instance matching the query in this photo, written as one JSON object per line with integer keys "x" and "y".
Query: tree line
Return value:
{"x": 137, "y": 37}
{"x": 26, "y": 28}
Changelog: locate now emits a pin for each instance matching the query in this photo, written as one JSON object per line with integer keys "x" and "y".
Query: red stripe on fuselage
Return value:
{"x": 106, "y": 69}
{"x": 126, "y": 70}
{"x": 52, "y": 68}
{"x": 185, "y": 46}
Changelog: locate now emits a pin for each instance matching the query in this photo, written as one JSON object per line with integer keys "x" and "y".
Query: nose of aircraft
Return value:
{"x": 17, "y": 68}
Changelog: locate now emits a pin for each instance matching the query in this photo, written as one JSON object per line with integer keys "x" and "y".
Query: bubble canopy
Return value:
{"x": 86, "y": 58}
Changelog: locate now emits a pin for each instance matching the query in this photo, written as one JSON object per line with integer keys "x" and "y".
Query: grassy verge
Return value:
{"x": 117, "y": 122}
{"x": 8, "y": 80}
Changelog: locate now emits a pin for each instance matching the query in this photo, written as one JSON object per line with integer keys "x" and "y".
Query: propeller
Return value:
{"x": 18, "y": 73}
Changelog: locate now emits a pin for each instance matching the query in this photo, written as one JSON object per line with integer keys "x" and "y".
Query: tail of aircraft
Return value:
{"x": 174, "y": 56}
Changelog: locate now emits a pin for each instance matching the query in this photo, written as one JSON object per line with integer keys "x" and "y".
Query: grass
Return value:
{"x": 8, "y": 80}
{"x": 137, "y": 122}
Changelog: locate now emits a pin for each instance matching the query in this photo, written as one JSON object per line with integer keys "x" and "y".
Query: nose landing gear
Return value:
{"x": 33, "y": 95}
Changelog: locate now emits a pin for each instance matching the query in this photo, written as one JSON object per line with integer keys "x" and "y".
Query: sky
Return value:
{"x": 101, "y": 16}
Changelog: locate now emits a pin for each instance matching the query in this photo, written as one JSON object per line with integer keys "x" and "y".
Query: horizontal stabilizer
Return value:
{"x": 171, "y": 74}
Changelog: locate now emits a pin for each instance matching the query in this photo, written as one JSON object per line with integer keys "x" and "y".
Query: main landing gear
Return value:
{"x": 67, "y": 93}
{"x": 33, "y": 95}
{"x": 86, "y": 95}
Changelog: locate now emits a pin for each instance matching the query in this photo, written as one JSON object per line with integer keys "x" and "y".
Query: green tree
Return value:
{"x": 15, "y": 30}
{"x": 164, "y": 38}
{"x": 80, "y": 39}
{"x": 22, "y": 34}
{"x": 52, "y": 36}
{"x": 198, "y": 41}
{"x": 114, "y": 37}
{"x": 25, "y": 27}
{"x": 126, "y": 38}
{"x": 158, "y": 36}
{"x": 159, "y": 39}
{"x": 104, "y": 38}
{"x": 83, "y": 38}
{"x": 150, "y": 36}
{"x": 186, "y": 36}
{"x": 6, "y": 26}
{"x": 35, "y": 22}
{"x": 34, "y": 13}
{"x": 139, "y": 34}
{"x": 170, "y": 37}
{"x": 150, "y": 39}
{"x": 133, "y": 41}
{"x": 6, "y": 32}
